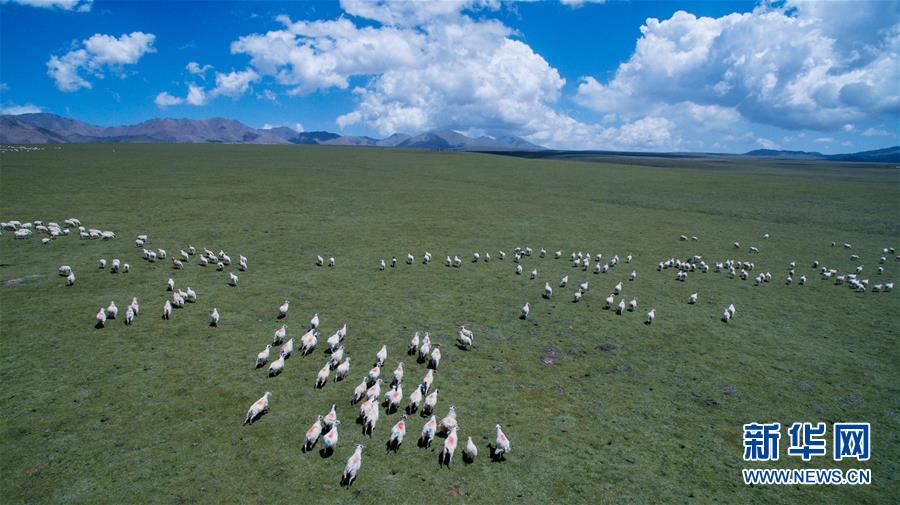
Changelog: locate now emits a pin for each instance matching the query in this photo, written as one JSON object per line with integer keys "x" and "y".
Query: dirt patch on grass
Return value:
{"x": 456, "y": 491}
{"x": 20, "y": 280}
{"x": 607, "y": 347}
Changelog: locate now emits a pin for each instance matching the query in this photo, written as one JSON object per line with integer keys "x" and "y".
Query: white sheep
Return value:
{"x": 525, "y": 310}
{"x": 283, "y": 309}
{"x": 651, "y": 316}
{"x": 331, "y": 261}
{"x": 518, "y": 269}
{"x": 548, "y": 291}
{"x": 382, "y": 265}
{"x": 381, "y": 356}
{"x": 632, "y": 305}
{"x": 322, "y": 376}
{"x": 449, "y": 448}
{"x": 280, "y": 333}
{"x": 342, "y": 369}
{"x": 352, "y": 468}
{"x": 320, "y": 261}
{"x": 430, "y": 402}
{"x": 308, "y": 341}
{"x": 112, "y": 311}
{"x": 534, "y": 273}
{"x": 263, "y": 356}
{"x": 413, "y": 344}
{"x": 102, "y": 263}
{"x": 397, "y": 433}
{"x": 693, "y": 298}
{"x": 410, "y": 258}
{"x": 287, "y": 349}
{"x": 214, "y": 317}
{"x": 312, "y": 434}
{"x": 428, "y": 431}
{"x": 435, "y": 357}
{"x": 276, "y": 367}
{"x": 70, "y": 279}
{"x": 501, "y": 444}
{"x": 170, "y": 284}
{"x": 101, "y": 318}
{"x": 232, "y": 279}
{"x": 258, "y": 407}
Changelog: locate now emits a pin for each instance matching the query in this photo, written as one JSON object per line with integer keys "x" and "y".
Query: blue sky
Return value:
{"x": 649, "y": 76}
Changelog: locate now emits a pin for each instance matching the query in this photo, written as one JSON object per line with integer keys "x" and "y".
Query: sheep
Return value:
{"x": 413, "y": 345}
{"x": 465, "y": 341}
{"x": 374, "y": 374}
{"x": 263, "y": 356}
{"x": 847, "y": 246}
{"x": 178, "y": 265}
{"x": 410, "y": 258}
{"x": 617, "y": 288}
{"x": 457, "y": 262}
{"x": 102, "y": 263}
{"x": 633, "y": 275}
{"x": 331, "y": 262}
{"x": 112, "y": 311}
{"x": 607, "y": 304}
{"x": 397, "y": 433}
{"x": 312, "y": 434}
{"x": 336, "y": 356}
{"x": 789, "y": 280}
{"x": 287, "y": 349}
{"x": 330, "y": 440}
{"x": 398, "y": 374}
{"x": 308, "y": 342}
{"x": 578, "y": 295}
{"x": 737, "y": 245}
{"x": 449, "y": 448}
{"x": 134, "y": 305}
{"x": 583, "y": 286}
{"x": 276, "y": 367}
{"x": 435, "y": 358}
{"x": 322, "y": 376}
{"x": 280, "y": 333}
{"x": 802, "y": 280}
{"x": 754, "y": 249}
{"x": 382, "y": 265}
{"x": 501, "y": 444}
{"x": 525, "y": 310}
{"x": 283, "y": 310}
{"x": 564, "y": 281}
{"x": 320, "y": 261}
{"x": 415, "y": 398}
{"x": 203, "y": 261}
{"x": 428, "y": 431}
{"x": 428, "y": 379}
{"x": 393, "y": 397}
{"x": 70, "y": 279}
{"x": 502, "y": 255}
{"x": 888, "y": 286}
{"x": 360, "y": 390}
{"x": 424, "y": 350}
{"x": 651, "y": 316}
{"x": 534, "y": 273}
{"x": 683, "y": 238}
{"x": 620, "y": 309}
{"x": 475, "y": 257}
{"x": 101, "y": 318}
{"x": 242, "y": 265}
{"x": 258, "y": 408}
{"x": 232, "y": 279}
{"x": 214, "y": 317}
{"x": 692, "y": 299}
{"x": 430, "y": 402}
{"x": 342, "y": 369}
{"x": 370, "y": 417}
{"x": 394, "y": 261}
{"x": 548, "y": 291}
{"x": 518, "y": 269}
{"x": 487, "y": 257}
{"x": 314, "y": 322}
{"x": 598, "y": 268}
{"x": 731, "y": 310}
{"x": 726, "y": 316}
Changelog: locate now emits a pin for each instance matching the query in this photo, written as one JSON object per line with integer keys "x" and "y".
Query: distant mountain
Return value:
{"x": 44, "y": 128}
{"x": 886, "y": 155}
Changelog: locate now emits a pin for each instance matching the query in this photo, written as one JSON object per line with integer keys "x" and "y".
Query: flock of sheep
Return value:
{"x": 423, "y": 397}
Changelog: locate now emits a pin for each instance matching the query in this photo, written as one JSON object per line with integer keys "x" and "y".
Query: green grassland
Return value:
{"x": 599, "y": 408}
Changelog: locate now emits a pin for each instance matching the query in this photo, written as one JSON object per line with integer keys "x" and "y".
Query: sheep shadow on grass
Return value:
{"x": 495, "y": 456}
{"x": 326, "y": 452}
{"x": 256, "y": 418}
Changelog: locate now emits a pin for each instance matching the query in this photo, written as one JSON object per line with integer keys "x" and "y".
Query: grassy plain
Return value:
{"x": 599, "y": 408}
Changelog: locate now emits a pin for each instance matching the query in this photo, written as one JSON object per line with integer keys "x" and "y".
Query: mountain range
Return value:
{"x": 45, "y": 128}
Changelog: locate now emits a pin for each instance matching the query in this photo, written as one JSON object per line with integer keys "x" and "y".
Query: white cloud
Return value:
{"x": 578, "y": 3}
{"x": 234, "y": 84}
{"x": 299, "y": 127}
{"x": 267, "y": 126}
{"x": 196, "y": 95}
{"x": 412, "y": 12}
{"x": 824, "y": 140}
{"x": 775, "y": 66}
{"x": 15, "y": 110}
{"x": 68, "y": 5}
{"x": 164, "y": 100}
{"x": 196, "y": 69}
{"x": 766, "y": 143}
{"x": 97, "y": 55}
{"x": 875, "y": 132}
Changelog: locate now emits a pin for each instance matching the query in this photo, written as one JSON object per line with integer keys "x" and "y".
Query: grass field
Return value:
{"x": 599, "y": 408}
